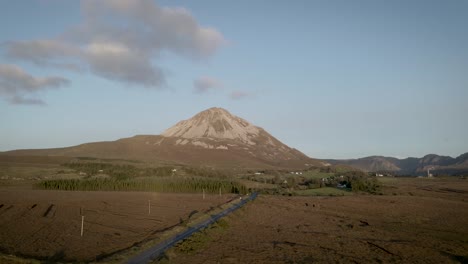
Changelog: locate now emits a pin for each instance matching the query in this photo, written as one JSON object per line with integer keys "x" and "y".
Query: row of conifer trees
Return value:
{"x": 160, "y": 184}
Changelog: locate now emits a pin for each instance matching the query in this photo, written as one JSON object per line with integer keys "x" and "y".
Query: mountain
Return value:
{"x": 213, "y": 137}
{"x": 409, "y": 166}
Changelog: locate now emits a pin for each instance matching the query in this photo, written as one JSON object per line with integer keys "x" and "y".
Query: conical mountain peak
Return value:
{"x": 216, "y": 123}
{"x": 213, "y": 137}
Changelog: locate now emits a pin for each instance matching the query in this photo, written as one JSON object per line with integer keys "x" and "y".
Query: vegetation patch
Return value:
{"x": 119, "y": 172}
{"x": 165, "y": 184}
{"x": 200, "y": 239}
{"x": 360, "y": 182}
{"x": 206, "y": 172}
{"x": 320, "y": 181}
{"x": 325, "y": 191}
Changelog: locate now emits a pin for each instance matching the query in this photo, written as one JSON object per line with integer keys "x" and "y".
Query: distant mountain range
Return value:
{"x": 438, "y": 165}
{"x": 213, "y": 137}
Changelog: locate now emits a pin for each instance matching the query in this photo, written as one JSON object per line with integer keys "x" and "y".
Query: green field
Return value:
{"x": 325, "y": 191}
{"x": 316, "y": 174}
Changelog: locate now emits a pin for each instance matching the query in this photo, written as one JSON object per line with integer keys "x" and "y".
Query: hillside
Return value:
{"x": 409, "y": 166}
{"x": 213, "y": 137}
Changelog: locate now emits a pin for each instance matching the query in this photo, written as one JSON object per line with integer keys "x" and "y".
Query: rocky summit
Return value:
{"x": 217, "y": 129}
{"x": 215, "y": 123}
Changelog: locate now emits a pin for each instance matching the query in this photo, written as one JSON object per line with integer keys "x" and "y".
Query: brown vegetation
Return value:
{"x": 424, "y": 223}
{"x": 46, "y": 224}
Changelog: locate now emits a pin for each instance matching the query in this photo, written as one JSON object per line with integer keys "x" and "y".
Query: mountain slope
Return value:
{"x": 216, "y": 128}
{"x": 213, "y": 137}
{"x": 409, "y": 166}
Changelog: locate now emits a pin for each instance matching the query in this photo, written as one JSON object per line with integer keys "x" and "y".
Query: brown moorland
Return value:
{"x": 47, "y": 224}
{"x": 414, "y": 221}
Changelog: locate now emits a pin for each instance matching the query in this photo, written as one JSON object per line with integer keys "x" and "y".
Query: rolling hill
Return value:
{"x": 410, "y": 166}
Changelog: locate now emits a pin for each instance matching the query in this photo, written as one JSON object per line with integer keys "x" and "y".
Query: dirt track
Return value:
{"x": 46, "y": 224}
{"x": 429, "y": 228}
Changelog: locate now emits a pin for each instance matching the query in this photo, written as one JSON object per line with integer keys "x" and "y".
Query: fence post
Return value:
{"x": 82, "y": 223}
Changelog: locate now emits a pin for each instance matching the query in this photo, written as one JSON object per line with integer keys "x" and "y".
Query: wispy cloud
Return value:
{"x": 237, "y": 95}
{"x": 120, "y": 40}
{"x": 15, "y": 83}
{"x": 206, "y": 84}
{"x": 26, "y": 101}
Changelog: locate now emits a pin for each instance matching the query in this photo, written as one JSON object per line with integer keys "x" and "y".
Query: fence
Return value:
{"x": 159, "y": 249}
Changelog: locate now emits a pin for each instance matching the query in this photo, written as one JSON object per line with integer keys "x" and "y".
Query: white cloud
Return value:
{"x": 44, "y": 52}
{"x": 115, "y": 61}
{"x": 121, "y": 40}
{"x": 40, "y": 51}
{"x": 15, "y": 83}
{"x": 206, "y": 84}
{"x": 107, "y": 48}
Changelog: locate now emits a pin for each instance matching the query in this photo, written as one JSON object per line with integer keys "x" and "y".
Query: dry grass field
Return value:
{"x": 46, "y": 225}
{"x": 415, "y": 221}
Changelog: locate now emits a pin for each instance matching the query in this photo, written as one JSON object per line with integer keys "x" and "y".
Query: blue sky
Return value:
{"x": 334, "y": 79}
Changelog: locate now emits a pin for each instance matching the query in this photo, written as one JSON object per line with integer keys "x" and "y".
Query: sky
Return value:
{"x": 331, "y": 78}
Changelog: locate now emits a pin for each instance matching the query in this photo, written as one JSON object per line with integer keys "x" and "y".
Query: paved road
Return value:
{"x": 159, "y": 249}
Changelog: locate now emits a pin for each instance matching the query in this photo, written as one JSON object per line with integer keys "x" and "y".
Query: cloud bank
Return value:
{"x": 121, "y": 40}
{"x": 15, "y": 83}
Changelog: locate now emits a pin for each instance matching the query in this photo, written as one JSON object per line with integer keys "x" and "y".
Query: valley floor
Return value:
{"x": 414, "y": 221}
{"x": 47, "y": 224}
{"x": 427, "y": 225}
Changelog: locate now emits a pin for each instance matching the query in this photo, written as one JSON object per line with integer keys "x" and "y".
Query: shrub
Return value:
{"x": 361, "y": 184}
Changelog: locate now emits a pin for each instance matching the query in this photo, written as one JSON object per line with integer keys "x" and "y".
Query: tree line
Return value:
{"x": 163, "y": 184}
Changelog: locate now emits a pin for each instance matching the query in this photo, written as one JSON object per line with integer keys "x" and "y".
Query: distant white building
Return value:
{"x": 429, "y": 174}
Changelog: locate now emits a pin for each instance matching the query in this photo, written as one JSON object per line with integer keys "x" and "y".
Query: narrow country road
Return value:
{"x": 158, "y": 250}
